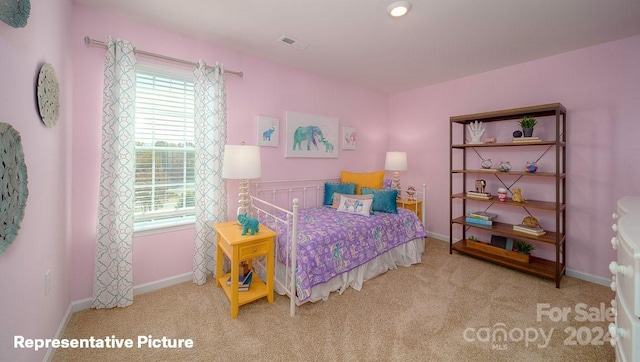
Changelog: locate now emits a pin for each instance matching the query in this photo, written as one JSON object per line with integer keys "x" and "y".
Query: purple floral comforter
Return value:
{"x": 332, "y": 242}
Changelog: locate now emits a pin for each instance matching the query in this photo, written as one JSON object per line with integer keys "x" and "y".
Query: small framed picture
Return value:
{"x": 268, "y": 131}
{"x": 348, "y": 138}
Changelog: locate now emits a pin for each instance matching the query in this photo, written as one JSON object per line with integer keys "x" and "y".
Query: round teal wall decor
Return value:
{"x": 15, "y": 12}
{"x": 13, "y": 184}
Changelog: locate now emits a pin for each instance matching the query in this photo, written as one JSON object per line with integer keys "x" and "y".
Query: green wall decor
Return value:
{"x": 15, "y": 12}
{"x": 13, "y": 184}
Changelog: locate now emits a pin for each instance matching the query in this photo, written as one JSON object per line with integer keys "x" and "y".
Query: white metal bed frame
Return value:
{"x": 295, "y": 194}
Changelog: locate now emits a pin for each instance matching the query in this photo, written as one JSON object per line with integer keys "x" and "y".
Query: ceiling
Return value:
{"x": 358, "y": 42}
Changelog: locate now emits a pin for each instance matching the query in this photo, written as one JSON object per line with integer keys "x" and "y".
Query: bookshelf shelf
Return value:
{"x": 556, "y": 181}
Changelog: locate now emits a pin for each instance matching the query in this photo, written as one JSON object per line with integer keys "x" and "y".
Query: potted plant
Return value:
{"x": 527, "y": 123}
{"x": 523, "y": 246}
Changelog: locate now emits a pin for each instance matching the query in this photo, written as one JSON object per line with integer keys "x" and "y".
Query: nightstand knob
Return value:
{"x": 255, "y": 249}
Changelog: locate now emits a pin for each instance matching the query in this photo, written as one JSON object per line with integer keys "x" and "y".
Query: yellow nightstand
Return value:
{"x": 412, "y": 205}
{"x": 240, "y": 248}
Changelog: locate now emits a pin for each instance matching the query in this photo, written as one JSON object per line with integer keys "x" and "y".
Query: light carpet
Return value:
{"x": 448, "y": 308}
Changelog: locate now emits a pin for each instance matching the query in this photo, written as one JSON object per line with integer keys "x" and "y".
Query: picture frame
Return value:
{"x": 348, "y": 138}
{"x": 268, "y": 131}
{"x": 311, "y": 136}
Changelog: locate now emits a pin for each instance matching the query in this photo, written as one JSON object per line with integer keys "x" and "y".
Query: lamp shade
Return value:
{"x": 396, "y": 161}
{"x": 241, "y": 162}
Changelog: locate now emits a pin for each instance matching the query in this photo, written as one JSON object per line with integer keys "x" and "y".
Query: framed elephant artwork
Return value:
{"x": 268, "y": 131}
{"x": 310, "y": 135}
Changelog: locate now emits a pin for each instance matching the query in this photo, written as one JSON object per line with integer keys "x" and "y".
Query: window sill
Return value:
{"x": 163, "y": 228}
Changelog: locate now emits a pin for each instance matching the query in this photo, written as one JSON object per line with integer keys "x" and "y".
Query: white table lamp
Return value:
{"x": 242, "y": 162}
{"x": 396, "y": 161}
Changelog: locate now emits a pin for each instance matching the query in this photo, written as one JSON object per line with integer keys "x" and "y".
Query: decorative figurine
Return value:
{"x": 480, "y": 186}
{"x": 517, "y": 134}
{"x": 517, "y": 195}
{"x": 531, "y": 167}
{"x": 505, "y": 166}
{"x": 530, "y": 221}
{"x": 486, "y": 163}
{"x": 411, "y": 193}
{"x": 476, "y": 131}
{"x": 249, "y": 224}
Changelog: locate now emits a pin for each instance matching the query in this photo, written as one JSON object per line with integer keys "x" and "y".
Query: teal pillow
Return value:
{"x": 330, "y": 188}
{"x": 383, "y": 200}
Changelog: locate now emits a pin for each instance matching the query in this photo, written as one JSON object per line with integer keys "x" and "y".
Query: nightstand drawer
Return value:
{"x": 252, "y": 250}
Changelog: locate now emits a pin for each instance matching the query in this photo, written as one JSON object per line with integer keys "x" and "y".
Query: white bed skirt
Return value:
{"x": 403, "y": 255}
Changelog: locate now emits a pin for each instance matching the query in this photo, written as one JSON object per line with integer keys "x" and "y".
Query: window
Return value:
{"x": 164, "y": 146}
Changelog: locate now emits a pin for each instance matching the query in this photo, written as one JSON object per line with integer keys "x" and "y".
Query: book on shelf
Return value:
{"x": 537, "y": 231}
{"x": 244, "y": 282}
{"x": 482, "y": 215}
{"x": 482, "y": 222}
{"x": 527, "y": 139}
{"x": 479, "y": 195}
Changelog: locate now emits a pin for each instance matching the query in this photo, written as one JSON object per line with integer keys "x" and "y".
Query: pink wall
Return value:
{"x": 43, "y": 241}
{"x": 267, "y": 89}
{"x": 600, "y": 86}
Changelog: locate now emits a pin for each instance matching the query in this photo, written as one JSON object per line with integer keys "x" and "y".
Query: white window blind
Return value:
{"x": 164, "y": 183}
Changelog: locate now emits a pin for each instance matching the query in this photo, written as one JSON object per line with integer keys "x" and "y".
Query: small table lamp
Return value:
{"x": 242, "y": 162}
{"x": 396, "y": 161}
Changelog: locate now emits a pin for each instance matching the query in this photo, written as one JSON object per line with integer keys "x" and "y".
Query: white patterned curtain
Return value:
{"x": 211, "y": 190}
{"x": 113, "y": 269}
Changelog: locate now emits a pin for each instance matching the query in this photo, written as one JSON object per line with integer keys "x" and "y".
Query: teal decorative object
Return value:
{"x": 249, "y": 224}
{"x": 13, "y": 184}
{"x": 15, "y": 12}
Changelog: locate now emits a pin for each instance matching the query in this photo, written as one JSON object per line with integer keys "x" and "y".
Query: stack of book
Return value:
{"x": 482, "y": 218}
{"x": 244, "y": 282}
{"x": 479, "y": 195}
{"x": 526, "y": 139}
{"x": 535, "y": 231}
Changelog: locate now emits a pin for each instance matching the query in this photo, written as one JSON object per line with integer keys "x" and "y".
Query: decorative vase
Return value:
{"x": 486, "y": 163}
{"x": 531, "y": 167}
{"x": 505, "y": 166}
{"x": 528, "y": 132}
{"x": 502, "y": 194}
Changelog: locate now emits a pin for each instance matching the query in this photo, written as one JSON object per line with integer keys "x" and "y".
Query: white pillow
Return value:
{"x": 353, "y": 205}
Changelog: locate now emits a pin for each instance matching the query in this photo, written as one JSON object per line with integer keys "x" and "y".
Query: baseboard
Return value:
{"x": 572, "y": 273}
{"x": 588, "y": 277}
{"x": 84, "y": 304}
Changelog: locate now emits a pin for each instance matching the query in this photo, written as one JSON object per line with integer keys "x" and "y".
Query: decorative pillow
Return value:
{"x": 383, "y": 200}
{"x": 336, "y": 199}
{"x": 352, "y": 205}
{"x": 330, "y": 188}
{"x": 386, "y": 184}
{"x": 371, "y": 179}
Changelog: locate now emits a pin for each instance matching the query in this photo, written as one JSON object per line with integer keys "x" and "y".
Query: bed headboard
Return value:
{"x": 310, "y": 193}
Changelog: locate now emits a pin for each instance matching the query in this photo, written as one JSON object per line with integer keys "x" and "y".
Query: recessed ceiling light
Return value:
{"x": 399, "y": 8}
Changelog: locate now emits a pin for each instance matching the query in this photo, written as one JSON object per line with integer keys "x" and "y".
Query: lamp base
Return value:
{"x": 244, "y": 203}
{"x": 395, "y": 184}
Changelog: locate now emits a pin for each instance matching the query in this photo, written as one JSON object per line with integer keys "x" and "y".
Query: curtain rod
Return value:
{"x": 89, "y": 41}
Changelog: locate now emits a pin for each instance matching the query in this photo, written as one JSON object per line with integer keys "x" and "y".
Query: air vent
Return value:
{"x": 293, "y": 42}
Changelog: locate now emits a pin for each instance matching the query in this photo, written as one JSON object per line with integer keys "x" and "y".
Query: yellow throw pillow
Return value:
{"x": 372, "y": 180}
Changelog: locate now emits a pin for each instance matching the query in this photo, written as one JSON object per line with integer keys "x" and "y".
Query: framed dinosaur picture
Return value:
{"x": 268, "y": 131}
{"x": 309, "y": 135}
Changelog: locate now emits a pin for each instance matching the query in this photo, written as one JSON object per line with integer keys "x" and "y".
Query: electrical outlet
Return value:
{"x": 47, "y": 282}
